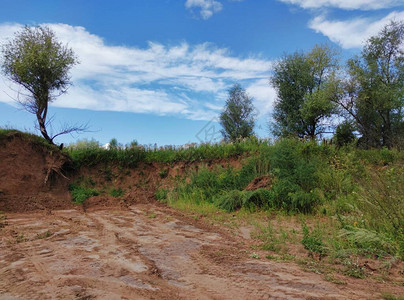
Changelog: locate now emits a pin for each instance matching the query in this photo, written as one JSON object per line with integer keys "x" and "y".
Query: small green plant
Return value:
{"x": 331, "y": 278}
{"x": 353, "y": 269}
{"x": 152, "y": 215}
{"x": 43, "y": 235}
{"x": 389, "y": 296}
{"x": 80, "y": 193}
{"x": 163, "y": 173}
{"x": 20, "y": 238}
{"x": 313, "y": 241}
{"x": 116, "y": 192}
{"x": 260, "y": 198}
{"x": 232, "y": 200}
{"x": 161, "y": 194}
{"x": 108, "y": 175}
{"x": 254, "y": 255}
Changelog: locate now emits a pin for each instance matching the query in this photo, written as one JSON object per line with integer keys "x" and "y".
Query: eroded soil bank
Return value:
{"x": 148, "y": 251}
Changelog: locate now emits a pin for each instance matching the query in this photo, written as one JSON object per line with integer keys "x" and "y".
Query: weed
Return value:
{"x": 161, "y": 194}
{"x": 80, "y": 193}
{"x": 163, "y": 173}
{"x": 313, "y": 241}
{"x": 108, "y": 175}
{"x": 44, "y": 235}
{"x": 389, "y": 296}
{"x": 119, "y": 192}
{"x": 331, "y": 278}
{"x": 271, "y": 242}
{"x": 152, "y": 215}
{"x": 261, "y": 198}
{"x": 20, "y": 238}
{"x": 353, "y": 269}
{"x": 254, "y": 255}
{"x": 232, "y": 200}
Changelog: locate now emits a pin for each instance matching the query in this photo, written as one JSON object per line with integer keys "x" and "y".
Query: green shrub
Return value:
{"x": 382, "y": 205}
{"x": 80, "y": 193}
{"x": 313, "y": 241}
{"x": 116, "y": 192}
{"x": 369, "y": 241}
{"x": 260, "y": 198}
{"x": 296, "y": 166}
{"x": 163, "y": 173}
{"x": 232, "y": 200}
{"x": 161, "y": 195}
{"x": 344, "y": 134}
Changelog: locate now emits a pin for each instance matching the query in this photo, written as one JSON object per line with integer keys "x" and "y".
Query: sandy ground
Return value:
{"x": 145, "y": 252}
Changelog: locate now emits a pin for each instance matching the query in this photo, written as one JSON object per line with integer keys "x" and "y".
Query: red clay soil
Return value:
{"x": 148, "y": 251}
{"x": 31, "y": 176}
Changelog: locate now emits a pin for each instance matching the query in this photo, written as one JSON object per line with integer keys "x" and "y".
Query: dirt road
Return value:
{"x": 144, "y": 252}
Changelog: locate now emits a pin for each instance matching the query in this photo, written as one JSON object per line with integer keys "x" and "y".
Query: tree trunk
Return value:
{"x": 43, "y": 130}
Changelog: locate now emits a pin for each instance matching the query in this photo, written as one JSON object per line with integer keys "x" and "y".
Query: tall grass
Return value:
{"x": 132, "y": 155}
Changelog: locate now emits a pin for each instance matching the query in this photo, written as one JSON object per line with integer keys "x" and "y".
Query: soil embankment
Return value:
{"x": 32, "y": 175}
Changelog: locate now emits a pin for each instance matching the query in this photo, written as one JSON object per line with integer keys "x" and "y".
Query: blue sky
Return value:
{"x": 158, "y": 71}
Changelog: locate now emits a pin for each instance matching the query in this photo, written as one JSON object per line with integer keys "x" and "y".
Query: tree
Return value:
{"x": 306, "y": 85}
{"x": 374, "y": 98}
{"x": 344, "y": 134}
{"x": 238, "y": 116}
{"x": 35, "y": 60}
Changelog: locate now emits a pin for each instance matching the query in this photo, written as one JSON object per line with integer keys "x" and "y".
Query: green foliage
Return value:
{"x": 80, "y": 193}
{"x": 238, "y": 116}
{"x": 259, "y": 199}
{"x": 306, "y": 88}
{"x": 113, "y": 144}
{"x": 116, "y": 192}
{"x": 375, "y": 89}
{"x": 40, "y": 64}
{"x": 368, "y": 241}
{"x": 8, "y": 134}
{"x": 232, "y": 200}
{"x": 85, "y": 144}
{"x": 355, "y": 270}
{"x": 131, "y": 156}
{"x": 382, "y": 205}
{"x": 296, "y": 166}
{"x": 161, "y": 194}
{"x": 313, "y": 240}
{"x": 163, "y": 173}
{"x": 344, "y": 134}
{"x": 92, "y": 156}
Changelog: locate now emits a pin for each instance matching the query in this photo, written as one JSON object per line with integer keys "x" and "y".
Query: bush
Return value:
{"x": 232, "y": 200}
{"x": 313, "y": 241}
{"x": 260, "y": 198}
{"x": 81, "y": 194}
{"x": 296, "y": 166}
{"x": 116, "y": 192}
{"x": 369, "y": 241}
{"x": 344, "y": 134}
{"x": 161, "y": 195}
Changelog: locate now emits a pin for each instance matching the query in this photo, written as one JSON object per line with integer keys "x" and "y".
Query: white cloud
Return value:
{"x": 159, "y": 79}
{"x": 264, "y": 96}
{"x": 347, "y": 4}
{"x": 354, "y": 32}
{"x": 206, "y": 7}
